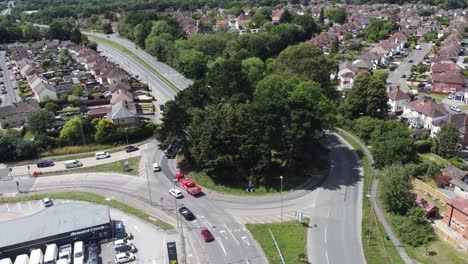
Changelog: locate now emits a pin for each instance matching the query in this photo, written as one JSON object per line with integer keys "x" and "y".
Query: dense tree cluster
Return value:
{"x": 379, "y": 29}
{"x": 236, "y": 123}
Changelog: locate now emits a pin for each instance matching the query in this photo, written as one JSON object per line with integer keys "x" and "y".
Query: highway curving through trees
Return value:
{"x": 333, "y": 206}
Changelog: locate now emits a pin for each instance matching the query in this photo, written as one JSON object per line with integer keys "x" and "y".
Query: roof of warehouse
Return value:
{"x": 54, "y": 220}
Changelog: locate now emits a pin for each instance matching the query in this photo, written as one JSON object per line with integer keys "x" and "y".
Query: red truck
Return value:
{"x": 190, "y": 186}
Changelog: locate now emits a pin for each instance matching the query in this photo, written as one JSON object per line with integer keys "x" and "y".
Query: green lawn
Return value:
{"x": 438, "y": 97}
{"x": 134, "y": 56}
{"x": 93, "y": 198}
{"x": 433, "y": 157}
{"x": 69, "y": 109}
{"x": 377, "y": 249}
{"x": 116, "y": 166}
{"x": 291, "y": 238}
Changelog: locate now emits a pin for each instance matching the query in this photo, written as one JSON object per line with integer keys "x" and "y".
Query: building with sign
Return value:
{"x": 60, "y": 224}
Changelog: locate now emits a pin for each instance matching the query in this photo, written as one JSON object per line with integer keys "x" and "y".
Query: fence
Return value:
{"x": 427, "y": 189}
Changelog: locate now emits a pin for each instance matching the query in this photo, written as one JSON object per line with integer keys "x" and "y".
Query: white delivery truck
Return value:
{"x": 73, "y": 164}
{"x": 51, "y": 254}
{"x": 22, "y": 259}
{"x": 6, "y": 261}
{"x": 36, "y": 256}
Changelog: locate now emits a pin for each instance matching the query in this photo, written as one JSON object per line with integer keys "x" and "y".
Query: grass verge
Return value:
{"x": 377, "y": 249}
{"x": 116, "y": 166}
{"x": 93, "y": 198}
{"x": 291, "y": 238}
{"x": 134, "y": 56}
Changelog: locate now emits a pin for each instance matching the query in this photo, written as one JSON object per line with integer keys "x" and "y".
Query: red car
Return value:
{"x": 207, "y": 236}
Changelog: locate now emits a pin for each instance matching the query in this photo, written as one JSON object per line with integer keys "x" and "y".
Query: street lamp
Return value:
{"x": 281, "y": 193}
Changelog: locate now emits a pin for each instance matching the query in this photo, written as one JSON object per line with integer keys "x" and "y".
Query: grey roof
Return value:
{"x": 15, "y": 108}
{"x": 54, "y": 220}
{"x": 463, "y": 185}
{"x": 123, "y": 109}
{"x": 460, "y": 174}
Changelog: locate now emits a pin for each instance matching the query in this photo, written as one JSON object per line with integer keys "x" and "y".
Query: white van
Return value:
{"x": 22, "y": 259}
{"x": 51, "y": 254}
{"x": 6, "y": 261}
{"x": 36, "y": 256}
{"x": 73, "y": 164}
{"x": 78, "y": 253}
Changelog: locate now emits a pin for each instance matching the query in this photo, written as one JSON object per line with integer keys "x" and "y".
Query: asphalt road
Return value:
{"x": 417, "y": 56}
{"x": 12, "y": 95}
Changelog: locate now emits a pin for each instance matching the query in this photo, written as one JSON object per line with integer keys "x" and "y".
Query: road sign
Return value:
{"x": 172, "y": 252}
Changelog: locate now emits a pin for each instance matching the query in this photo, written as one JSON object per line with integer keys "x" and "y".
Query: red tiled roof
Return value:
{"x": 421, "y": 202}
{"x": 428, "y": 107}
{"x": 461, "y": 204}
{"x": 448, "y": 77}
{"x": 395, "y": 94}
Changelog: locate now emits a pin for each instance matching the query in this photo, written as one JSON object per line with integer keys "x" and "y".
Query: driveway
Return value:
{"x": 417, "y": 56}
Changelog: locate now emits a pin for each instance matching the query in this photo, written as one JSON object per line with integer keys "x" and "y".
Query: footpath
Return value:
{"x": 375, "y": 206}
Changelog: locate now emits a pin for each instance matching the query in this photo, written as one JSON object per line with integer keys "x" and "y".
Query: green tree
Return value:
{"x": 286, "y": 17}
{"x": 381, "y": 75}
{"x": 94, "y": 18}
{"x": 308, "y": 24}
{"x": 335, "y": 46}
{"x": 191, "y": 63}
{"x": 226, "y": 82}
{"x": 367, "y": 97}
{"x": 8, "y": 142}
{"x": 321, "y": 16}
{"x": 107, "y": 28}
{"x": 59, "y": 29}
{"x": 39, "y": 121}
{"x": 31, "y": 33}
{"x": 337, "y": 15}
{"x": 308, "y": 63}
{"x": 72, "y": 133}
{"x": 395, "y": 190}
{"x": 413, "y": 228}
{"x": 139, "y": 35}
{"x": 262, "y": 15}
{"x": 75, "y": 35}
{"x": 446, "y": 140}
{"x": 106, "y": 132}
{"x": 159, "y": 46}
{"x": 92, "y": 45}
{"x": 52, "y": 107}
{"x": 25, "y": 149}
{"x": 254, "y": 70}
{"x": 77, "y": 90}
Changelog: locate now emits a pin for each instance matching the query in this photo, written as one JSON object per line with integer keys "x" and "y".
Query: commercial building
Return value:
{"x": 60, "y": 224}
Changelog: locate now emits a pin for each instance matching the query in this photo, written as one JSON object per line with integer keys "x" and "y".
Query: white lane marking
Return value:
{"x": 8, "y": 207}
{"x": 221, "y": 245}
{"x": 19, "y": 206}
{"x": 325, "y": 234}
{"x": 229, "y": 230}
{"x": 30, "y": 205}
{"x": 329, "y": 212}
{"x": 195, "y": 221}
{"x": 246, "y": 240}
{"x": 109, "y": 244}
{"x": 223, "y": 232}
{"x": 137, "y": 229}
{"x": 247, "y": 261}
{"x": 153, "y": 261}
{"x": 326, "y": 255}
{"x": 205, "y": 221}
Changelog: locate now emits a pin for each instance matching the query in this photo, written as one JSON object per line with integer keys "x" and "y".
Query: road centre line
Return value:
{"x": 325, "y": 234}
{"x": 229, "y": 230}
{"x": 326, "y": 255}
{"x": 221, "y": 245}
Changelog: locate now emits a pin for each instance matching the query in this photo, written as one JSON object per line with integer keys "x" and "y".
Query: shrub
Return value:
{"x": 412, "y": 228}
{"x": 443, "y": 181}
{"x": 423, "y": 146}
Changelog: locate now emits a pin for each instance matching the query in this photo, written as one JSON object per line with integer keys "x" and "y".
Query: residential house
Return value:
{"x": 44, "y": 91}
{"x": 120, "y": 85}
{"x": 242, "y": 21}
{"x": 116, "y": 75}
{"x": 397, "y": 99}
{"x": 456, "y": 215}
{"x": 121, "y": 95}
{"x": 455, "y": 173}
{"x": 460, "y": 188}
{"x": 15, "y": 115}
{"x": 422, "y": 112}
{"x": 99, "y": 111}
{"x": 459, "y": 121}
{"x": 276, "y": 15}
{"x": 447, "y": 82}
{"x": 346, "y": 75}
{"x": 123, "y": 114}
{"x": 430, "y": 210}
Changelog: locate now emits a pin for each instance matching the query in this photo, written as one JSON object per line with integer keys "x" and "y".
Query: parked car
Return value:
{"x": 129, "y": 149}
{"x": 44, "y": 163}
{"x": 450, "y": 96}
{"x": 156, "y": 167}
{"x": 410, "y": 61}
{"x": 175, "y": 192}
{"x": 186, "y": 213}
{"x": 126, "y": 248}
{"x": 455, "y": 108}
{"x": 124, "y": 257}
{"x": 122, "y": 242}
{"x": 207, "y": 236}
{"x": 47, "y": 202}
{"x": 102, "y": 155}
{"x": 4, "y": 91}
{"x": 403, "y": 76}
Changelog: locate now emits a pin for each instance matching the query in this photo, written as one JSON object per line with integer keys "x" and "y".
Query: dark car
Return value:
{"x": 171, "y": 151}
{"x": 410, "y": 61}
{"x": 94, "y": 247}
{"x": 126, "y": 248}
{"x": 403, "y": 76}
{"x": 129, "y": 149}
{"x": 44, "y": 163}
{"x": 186, "y": 213}
{"x": 207, "y": 236}
{"x": 93, "y": 253}
{"x": 4, "y": 91}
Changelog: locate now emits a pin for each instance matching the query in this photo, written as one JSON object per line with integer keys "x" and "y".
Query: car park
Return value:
{"x": 175, "y": 192}
{"x": 455, "y": 108}
{"x": 124, "y": 257}
{"x": 186, "y": 213}
{"x": 119, "y": 231}
{"x": 206, "y": 234}
{"x": 129, "y": 149}
{"x": 156, "y": 167}
{"x": 102, "y": 155}
{"x": 44, "y": 163}
{"x": 47, "y": 202}
{"x": 122, "y": 242}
